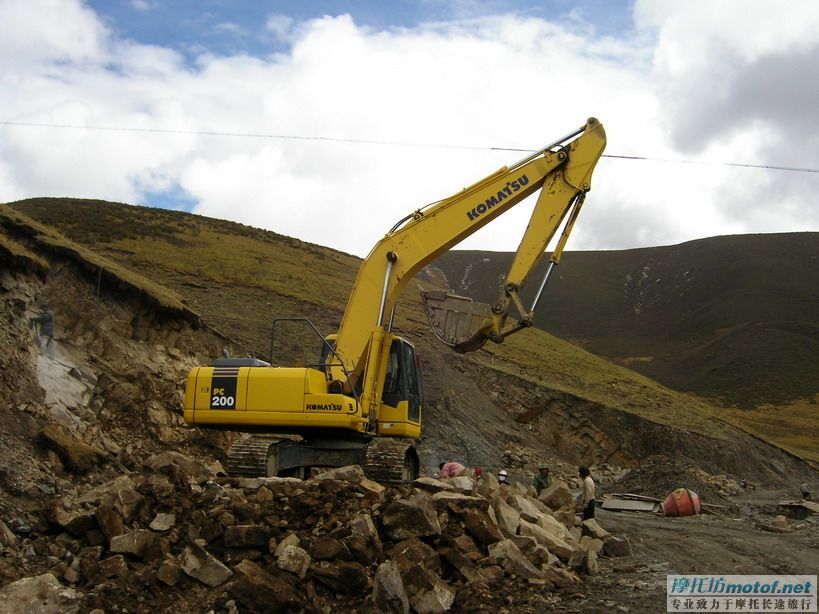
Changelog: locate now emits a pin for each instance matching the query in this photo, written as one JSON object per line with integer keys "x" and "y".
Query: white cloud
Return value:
{"x": 142, "y": 6}
{"x": 690, "y": 83}
{"x": 40, "y": 31}
{"x": 281, "y": 26}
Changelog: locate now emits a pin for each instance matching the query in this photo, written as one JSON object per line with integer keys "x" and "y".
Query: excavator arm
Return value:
{"x": 561, "y": 172}
{"x": 363, "y": 404}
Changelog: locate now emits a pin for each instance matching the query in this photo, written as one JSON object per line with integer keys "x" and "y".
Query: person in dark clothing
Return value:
{"x": 542, "y": 480}
{"x": 45, "y": 324}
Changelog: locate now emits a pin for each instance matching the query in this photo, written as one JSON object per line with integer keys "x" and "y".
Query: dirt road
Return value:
{"x": 705, "y": 544}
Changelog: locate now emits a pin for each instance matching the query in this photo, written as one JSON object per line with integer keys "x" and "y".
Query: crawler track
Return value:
{"x": 386, "y": 460}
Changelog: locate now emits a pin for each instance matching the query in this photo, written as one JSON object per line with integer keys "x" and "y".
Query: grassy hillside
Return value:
{"x": 731, "y": 318}
{"x": 239, "y": 278}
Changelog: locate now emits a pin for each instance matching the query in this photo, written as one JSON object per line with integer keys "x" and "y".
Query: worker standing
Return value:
{"x": 542, "y": 480}
{"x": 587, "y": 502}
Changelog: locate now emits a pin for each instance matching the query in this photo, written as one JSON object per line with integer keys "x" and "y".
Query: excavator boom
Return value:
{"x": 561, "y": 172}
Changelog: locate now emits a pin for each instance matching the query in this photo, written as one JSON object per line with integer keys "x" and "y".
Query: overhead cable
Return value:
{"x": 292, "y": 137}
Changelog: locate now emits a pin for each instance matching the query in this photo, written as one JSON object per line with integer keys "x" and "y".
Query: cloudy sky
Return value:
{"x": 330, "y": 121}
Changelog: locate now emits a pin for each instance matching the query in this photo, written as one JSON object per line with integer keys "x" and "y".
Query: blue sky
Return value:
{"x": 331, "y": 121}
{"x": 229, "y": 27}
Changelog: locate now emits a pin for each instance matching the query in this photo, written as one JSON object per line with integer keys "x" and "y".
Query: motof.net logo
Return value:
{"x": 741, "y": 593}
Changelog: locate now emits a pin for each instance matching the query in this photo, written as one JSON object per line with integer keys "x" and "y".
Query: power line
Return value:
{"x": 772, "y": 167}
{"x": 292, "y": 137}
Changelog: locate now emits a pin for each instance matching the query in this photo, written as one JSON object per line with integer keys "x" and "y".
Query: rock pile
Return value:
{"x": 176, "y": 535}
{"x": 656, "y": 476}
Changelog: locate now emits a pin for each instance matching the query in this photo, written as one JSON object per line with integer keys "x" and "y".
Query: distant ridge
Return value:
{"x": 734, "y": 317}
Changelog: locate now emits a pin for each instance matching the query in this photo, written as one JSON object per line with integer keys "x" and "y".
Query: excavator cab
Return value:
{"x": 402, "y": 383}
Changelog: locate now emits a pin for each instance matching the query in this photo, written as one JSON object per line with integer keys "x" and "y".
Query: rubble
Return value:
{"x": 336, "y": 540}
{"x": 41, "y": 594}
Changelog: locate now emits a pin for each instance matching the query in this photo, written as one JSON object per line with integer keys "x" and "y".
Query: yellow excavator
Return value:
{"x": 361, "y": 402}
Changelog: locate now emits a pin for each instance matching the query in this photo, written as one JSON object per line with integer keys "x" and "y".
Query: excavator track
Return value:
{"x": 391, "y": 460}
{"x": 248, "y": 456}
{"x": 387, "y": 460}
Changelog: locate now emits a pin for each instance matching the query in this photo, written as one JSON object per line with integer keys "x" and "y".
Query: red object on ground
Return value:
{"x": 681, "y": 502}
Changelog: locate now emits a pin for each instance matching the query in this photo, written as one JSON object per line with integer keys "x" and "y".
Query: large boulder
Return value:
{"x": 412, "y": 552}
{"x": 413, "y": 517}
{"x": 76, "y": 522}
{"x": 75, "y": 455}
{"x": 179, "y": 468}
{"x": 506, "y": 554}
{"x": 39, "y": 595}
{"x": 363, "y": 542}
{"x": 508, "y": 517}
{"x": 557, "y": 496}
{"x": 428, "y": 593}
{"x": 480, "y": 526}
{"x": 203, "y": 566}
{"x": 260, "y": 591}
{"x": 141, "y": 543}
{"x": 559, "y": 547}
{"x": 617, "y": 545}
{"x": 528, "y": 511}
{"x": 389, "y": 594}
{"x": 592, "y": 528}
{"x": 293, "y": 559}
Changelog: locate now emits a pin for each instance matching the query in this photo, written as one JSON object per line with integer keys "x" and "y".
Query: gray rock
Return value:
{"x": 508, "y": 518}
{"x": 617, "y": 545}
{"x": 389, "y": 594}
{"x": 203, "y": 566}
{"x": 39, "y": 595}
{"x": 413, "y": 517}
{"x": 506, "y": 554}
{"x": 432, "y": 485}
{"x": 293, "y": 559}
{"x": 592, "y": 528}
{"x": 557, "y": 496}
{"x": 480, "y": 526}
{"x": 363, "y": 543}
{"x": 559, "y": 547}
{"x": 141, "y": 543}
{"x": 163, "y": 522}
{"x": 428, "y": 593}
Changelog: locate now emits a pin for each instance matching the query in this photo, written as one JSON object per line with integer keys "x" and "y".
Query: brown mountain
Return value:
{"x": 735, "y": 318}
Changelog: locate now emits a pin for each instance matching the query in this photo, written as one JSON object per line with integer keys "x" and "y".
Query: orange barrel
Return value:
{"x": 681, "y": 502}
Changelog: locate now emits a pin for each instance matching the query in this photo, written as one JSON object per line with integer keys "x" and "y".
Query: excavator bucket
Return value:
{"x": 458, "y": 321}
